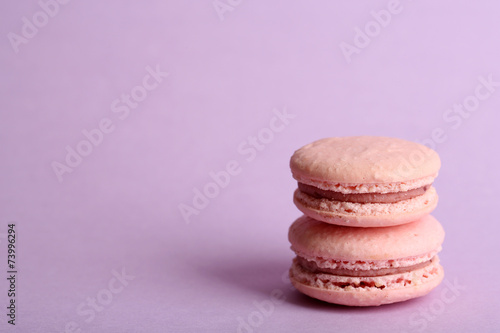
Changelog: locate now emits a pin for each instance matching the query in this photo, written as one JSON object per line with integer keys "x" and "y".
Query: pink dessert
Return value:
{"x": 366, "y": 266}
{"x": 365, "y": 181}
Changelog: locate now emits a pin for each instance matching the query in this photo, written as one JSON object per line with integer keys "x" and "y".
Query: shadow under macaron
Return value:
{"x": 268, "y": 278}
{"x": 260, "y": 276}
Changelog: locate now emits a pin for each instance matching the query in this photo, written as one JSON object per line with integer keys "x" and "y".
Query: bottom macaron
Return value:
{"x": 366, "y": 266}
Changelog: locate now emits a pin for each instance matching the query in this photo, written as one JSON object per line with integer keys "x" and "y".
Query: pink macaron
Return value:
{"x": 366, "y": 266}
{"x": 365, "y": 181}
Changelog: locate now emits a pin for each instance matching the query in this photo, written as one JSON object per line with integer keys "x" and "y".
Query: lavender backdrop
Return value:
{"x": 114, "y": 114}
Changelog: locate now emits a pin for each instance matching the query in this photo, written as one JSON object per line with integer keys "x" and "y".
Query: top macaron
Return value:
{"x": 365, "y": 181}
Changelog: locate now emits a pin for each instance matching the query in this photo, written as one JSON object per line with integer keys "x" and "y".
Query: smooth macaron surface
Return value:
{"x": 311, "y": 238}
{"x": 363, "y": 159}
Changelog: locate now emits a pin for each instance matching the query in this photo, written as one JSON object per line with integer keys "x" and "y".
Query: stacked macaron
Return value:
{"x": 366, "y": 237}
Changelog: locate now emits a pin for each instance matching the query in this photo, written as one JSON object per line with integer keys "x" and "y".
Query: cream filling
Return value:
{"x": 336, "y": 282}
{"x": 367, "y": 187}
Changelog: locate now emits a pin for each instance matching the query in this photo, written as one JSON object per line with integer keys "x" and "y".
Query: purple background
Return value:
{"x": 119, "y": 209}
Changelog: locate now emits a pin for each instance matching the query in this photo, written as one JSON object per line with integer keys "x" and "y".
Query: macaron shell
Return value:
{"x": 366, "y": 215}
{"x": 364, "y": 159}
{"x": 370, "y": 296}
{"x": 311, "y": 238}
